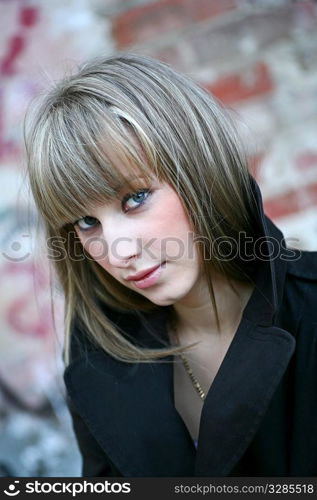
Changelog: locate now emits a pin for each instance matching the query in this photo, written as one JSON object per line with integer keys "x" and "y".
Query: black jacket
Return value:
{"x": 260, "y": 414}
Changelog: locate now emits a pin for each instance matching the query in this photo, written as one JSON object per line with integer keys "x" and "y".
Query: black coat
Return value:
{"x": 260, "y": 414}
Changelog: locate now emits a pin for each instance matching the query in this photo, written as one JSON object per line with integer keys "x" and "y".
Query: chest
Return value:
{"x": 204, "y": 361}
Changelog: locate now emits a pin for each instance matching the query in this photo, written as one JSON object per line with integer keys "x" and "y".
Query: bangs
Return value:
{"x": 85, "y": 160}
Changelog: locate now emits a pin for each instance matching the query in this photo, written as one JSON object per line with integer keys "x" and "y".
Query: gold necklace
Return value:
{"x": 187, "y": 366}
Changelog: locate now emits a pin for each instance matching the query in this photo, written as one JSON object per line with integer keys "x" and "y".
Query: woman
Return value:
{"x": 182, "y": 302}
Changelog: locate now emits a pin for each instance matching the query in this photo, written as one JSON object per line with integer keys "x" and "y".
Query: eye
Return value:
{"x": 134, "y": 200}
{"x": 130, "y": 201}
{"x": 86, "y": 223}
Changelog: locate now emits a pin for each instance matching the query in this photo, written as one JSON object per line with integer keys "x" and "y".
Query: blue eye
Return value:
{"x": 89, "y": 221}
{"x": 134, "y": 200}
{"x": 130, "y": 201}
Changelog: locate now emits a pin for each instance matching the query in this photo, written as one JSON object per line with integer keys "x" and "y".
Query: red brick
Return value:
{"x": 28, "y": 16}
{"x": 171, "y": 55}
{"x": 253, "y": 82}
{"x": 220, "y": 43}
{"x": 291, "y": 202}
{"x": 154, "y": 19}
{"x": 306, "y": 161}
{"x": 16, "y": 46}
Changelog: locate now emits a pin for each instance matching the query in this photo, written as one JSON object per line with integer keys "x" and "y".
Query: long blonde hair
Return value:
{"x": 189, "y": 141}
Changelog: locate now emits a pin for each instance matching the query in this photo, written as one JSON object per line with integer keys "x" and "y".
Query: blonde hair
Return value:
{"x": 188, "y": 140}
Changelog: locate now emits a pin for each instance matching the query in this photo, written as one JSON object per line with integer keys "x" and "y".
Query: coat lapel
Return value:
{"x": 240, "y": 396}
{"x": 129, "y": 409}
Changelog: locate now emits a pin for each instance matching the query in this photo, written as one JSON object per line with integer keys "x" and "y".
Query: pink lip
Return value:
{"x": 141, "y": 274}
{"x": 150, "y": 278}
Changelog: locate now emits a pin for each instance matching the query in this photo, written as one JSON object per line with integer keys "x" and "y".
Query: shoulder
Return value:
{"x": 298, "y": 312}
{"x": 300, "y": 288}
{"x": 301, "y": 282}
{"x": 303, "y": 265}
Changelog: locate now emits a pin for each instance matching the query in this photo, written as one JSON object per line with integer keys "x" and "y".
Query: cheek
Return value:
{"x": 95, "y": 247}
{"x": 170, "y": 217}
{"x": 172, "y": 230}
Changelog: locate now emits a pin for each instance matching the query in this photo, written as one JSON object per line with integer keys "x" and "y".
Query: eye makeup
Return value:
{"x": 129, "y": 202}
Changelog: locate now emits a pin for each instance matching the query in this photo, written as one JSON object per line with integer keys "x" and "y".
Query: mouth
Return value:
{"x": 142, "y": 274}
{"x": 150, "y": 278}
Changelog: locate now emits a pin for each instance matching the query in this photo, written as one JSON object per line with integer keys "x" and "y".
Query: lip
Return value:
{"x": 151, "y": 278}
{"x": 142, "y": 274}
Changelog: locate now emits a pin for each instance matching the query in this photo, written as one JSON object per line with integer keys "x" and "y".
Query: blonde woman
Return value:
{"x": 190, "y": 327}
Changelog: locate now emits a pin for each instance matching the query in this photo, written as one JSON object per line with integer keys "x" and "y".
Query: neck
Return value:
{"x": 195, "y": 317}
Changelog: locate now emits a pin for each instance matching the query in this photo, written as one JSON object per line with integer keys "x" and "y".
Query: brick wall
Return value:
{"x": 258, "y": 56}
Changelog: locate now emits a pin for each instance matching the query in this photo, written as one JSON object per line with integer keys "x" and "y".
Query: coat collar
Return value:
{"x": 129, "y": 408}
{"x": 267, "y": 296}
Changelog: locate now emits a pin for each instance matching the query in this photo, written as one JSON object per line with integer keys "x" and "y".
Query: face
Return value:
{"x": 140, "y": 231}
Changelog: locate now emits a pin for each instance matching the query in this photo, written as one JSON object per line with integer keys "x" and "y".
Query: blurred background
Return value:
{"x": 259, "y": 57}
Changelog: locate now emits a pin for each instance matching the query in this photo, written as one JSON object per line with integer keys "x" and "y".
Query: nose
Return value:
{"x": 122, "y": 251}
{"x": 122, "y": 245}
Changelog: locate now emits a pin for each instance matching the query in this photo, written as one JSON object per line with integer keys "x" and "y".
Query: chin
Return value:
{"x": 163, "y": 302}
{"x": 168, "y": 300}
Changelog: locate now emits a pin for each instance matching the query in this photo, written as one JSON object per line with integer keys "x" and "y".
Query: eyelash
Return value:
{"x": 123, "y": 201}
